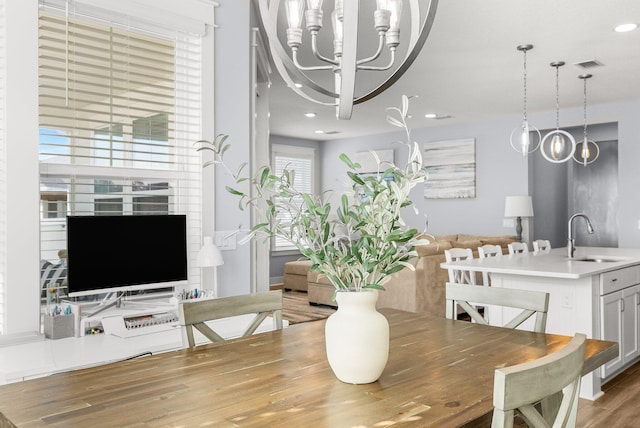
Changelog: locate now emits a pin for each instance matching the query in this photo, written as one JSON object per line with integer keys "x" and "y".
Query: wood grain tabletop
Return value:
{"x": 440, "y": 373}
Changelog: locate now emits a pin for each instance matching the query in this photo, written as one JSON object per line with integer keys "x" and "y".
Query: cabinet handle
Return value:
{"x": 622, "y": 303}
{"x": 614, "y": 279}
{"x": 637, "y": 298}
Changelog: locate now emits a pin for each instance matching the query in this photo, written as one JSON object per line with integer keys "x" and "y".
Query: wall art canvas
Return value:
{"x": 451, "y": 166}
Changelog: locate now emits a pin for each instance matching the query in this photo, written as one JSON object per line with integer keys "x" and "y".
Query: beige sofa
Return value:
{"x": 422, "y": 290}
{"x": 295, "y": 275}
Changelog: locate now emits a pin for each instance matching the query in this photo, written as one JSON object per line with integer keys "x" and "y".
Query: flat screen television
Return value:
{"x": 125, "y": 253}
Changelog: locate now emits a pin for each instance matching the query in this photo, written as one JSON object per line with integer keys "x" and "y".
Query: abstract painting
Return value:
{"x": 451, "y": 166}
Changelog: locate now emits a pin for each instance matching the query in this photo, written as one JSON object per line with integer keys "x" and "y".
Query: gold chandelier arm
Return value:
{"x": 415, "y": 44}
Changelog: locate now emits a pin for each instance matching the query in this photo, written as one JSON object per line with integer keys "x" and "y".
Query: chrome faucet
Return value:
{"x": 571, "y": 244}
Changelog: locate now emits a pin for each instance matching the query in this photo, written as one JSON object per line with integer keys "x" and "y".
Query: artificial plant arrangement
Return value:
{"x": 360, "y": 244}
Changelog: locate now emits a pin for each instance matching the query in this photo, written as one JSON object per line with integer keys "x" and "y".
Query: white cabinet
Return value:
{"x": 620, "y": 317}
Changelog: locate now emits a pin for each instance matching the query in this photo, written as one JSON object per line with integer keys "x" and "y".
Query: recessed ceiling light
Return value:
{"x": 298, "y": 85}
{"x": 319, "y": 131}
{"x": 310, "y": 114}
{"x": 623, "y": 28}
{"x": 430, "y": 115}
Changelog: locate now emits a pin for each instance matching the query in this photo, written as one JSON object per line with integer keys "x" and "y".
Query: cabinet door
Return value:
{"x": 611, "y": 329}
{"x": 630, "y": 308}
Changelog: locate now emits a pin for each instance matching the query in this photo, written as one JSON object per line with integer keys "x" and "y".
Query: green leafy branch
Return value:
{"x": 362, "y": 242}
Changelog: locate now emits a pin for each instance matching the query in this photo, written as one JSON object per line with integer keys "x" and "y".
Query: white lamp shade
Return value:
{"x": 518, "y": 206}
{"x": 209, "y": 255}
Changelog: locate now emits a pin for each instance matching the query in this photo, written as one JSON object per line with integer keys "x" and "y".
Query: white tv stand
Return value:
{"x": 131, "y": 318}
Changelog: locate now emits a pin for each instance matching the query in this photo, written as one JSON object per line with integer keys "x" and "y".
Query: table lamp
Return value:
{"x": 518, "y": 207}
{"x": 210, "y": 256}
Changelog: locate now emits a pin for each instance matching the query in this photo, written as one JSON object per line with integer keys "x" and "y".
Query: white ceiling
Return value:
{"x": 469, "y": 68}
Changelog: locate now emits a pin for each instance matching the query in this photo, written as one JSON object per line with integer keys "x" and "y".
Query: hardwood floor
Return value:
{"x": 296, "y": 308}
{"x": 619, "y": 407}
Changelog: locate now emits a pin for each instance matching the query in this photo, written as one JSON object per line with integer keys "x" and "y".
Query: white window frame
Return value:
{"x": 300, "y": 152}
{"x": 186, "y": 173}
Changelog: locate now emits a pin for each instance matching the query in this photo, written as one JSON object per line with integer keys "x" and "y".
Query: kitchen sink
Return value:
{"x": 599, "y": 259}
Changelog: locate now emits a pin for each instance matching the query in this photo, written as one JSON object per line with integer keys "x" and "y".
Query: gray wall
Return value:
{"x": 595, "y": 193}
{"x": 560, "y": 190}
{"x": 500, "y": 171}
{"x": 232, "y": 116}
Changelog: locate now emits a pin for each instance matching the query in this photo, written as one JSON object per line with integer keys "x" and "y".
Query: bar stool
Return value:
{"x": 459, "y": 276}
{"x": 487, "y": 251}
{"x": 541, "y": 245}
{"x": 518, "y": 248}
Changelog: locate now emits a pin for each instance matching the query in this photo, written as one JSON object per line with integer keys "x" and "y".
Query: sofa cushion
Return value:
{"x": 447, "y": 237}
{"x": 473, "y": 244}
{"x": 437, "y": 247}
{"x": 298, "y": 267}
{"x": 503, "y": 241}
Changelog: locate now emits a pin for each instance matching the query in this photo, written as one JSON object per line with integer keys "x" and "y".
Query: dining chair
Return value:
{"x": 541, "y": 245}
{"x": 195, "y": 313}
{"x": 529, "y": 302}
{"x": 459, "y": 276}
{"x": 518, "y": 248}
{"x": 487, "y": 251}
{"x": 552, "y": 380}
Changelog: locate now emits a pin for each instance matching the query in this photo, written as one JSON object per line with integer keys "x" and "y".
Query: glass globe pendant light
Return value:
{"x": 587, "y": 151}
{"x": 558, "y": 151}
{"x": 523, "y": 138}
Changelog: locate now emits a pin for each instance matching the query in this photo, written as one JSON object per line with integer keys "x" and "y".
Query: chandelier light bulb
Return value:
{"x": 395, "y": 7}
{"x": 338, "y": 32}
{"x": 314, "y": 4}
{"x": 557, "y": 146}
{"x": 295, "y": 12}
{"x": 585, "y": 153}
{"x": 525, "y": 140}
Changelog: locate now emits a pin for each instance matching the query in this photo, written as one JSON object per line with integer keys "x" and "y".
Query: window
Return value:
{"x": 301, "y": 160}
{"x": 119, "y": 110}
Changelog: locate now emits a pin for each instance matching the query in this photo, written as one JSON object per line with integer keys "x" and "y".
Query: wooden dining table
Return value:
{"x": 440, "y": 373}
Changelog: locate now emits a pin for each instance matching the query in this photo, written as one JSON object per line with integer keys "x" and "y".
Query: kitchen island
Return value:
{"x": 596, "y": 292}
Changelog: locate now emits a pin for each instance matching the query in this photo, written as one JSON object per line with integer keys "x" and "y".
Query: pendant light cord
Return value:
{"x": 557, "y": 97}
{"x": 585, "y": 109}
{"x": 524, "y": 101}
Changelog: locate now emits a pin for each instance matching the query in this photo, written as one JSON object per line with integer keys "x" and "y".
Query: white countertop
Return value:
{"x": 555, "y": 263}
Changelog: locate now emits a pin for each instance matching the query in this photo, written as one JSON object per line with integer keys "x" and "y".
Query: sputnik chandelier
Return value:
{"x": 343, "y": 64}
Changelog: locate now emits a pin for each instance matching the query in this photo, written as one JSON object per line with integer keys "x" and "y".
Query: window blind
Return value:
{"x": 119, "y": 110}
{"x": 299, "y": 161}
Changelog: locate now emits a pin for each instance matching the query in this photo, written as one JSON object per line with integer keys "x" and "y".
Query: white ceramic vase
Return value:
{"x": 357, "y": 338}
